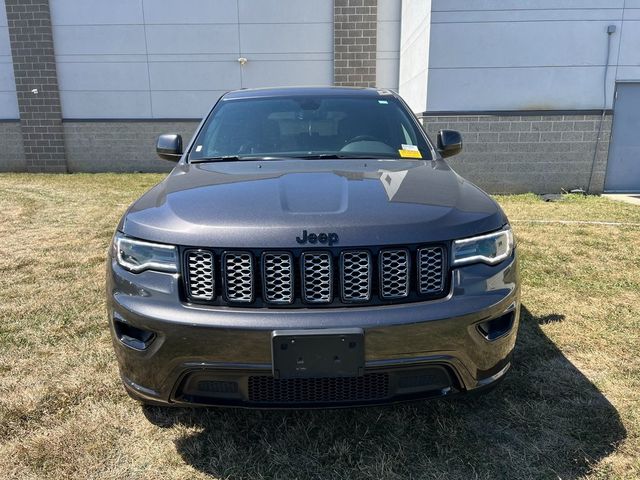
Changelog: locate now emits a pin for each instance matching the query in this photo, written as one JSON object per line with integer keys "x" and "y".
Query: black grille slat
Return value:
{"x": 372, "y": 386}
{"x": 238, "y": 276}
{"x": 394, "y": 273}
{"x": 277, "y": 277}
{"x": 431, "y": 270}
{"x": 200, "y": 275}
{"x": 322, "y": 278}
{"x": 317, "y": 277}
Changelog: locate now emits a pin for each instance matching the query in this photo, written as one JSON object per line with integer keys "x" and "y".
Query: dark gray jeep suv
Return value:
{"x": 311, "y": 248}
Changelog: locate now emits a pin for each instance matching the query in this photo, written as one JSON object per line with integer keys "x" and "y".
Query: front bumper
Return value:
{"x": 190, "y": 354}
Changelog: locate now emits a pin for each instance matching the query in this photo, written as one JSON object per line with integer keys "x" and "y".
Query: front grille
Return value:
{"x": 278, "y": 277}
{"x": 430, "y": 270}
{"x": 238, "y": 275}
{"x": 200, "y": 279}
{"x": 315, "y": 278}
{"x": 394, "y": 273}
{"x": 356, "y": 276}
{"x": 372, "y": 386}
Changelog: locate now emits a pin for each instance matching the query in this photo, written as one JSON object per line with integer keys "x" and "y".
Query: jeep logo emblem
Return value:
{"x": 313, "y": 238}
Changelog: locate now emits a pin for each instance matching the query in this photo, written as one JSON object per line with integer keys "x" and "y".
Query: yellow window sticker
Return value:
{"x": 409, "y": 151}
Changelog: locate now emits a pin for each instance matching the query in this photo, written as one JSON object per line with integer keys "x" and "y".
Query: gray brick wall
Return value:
{"x": 11, "y": 151}
{"x": 355, "y": 42}
{"x": 34, "y": 68}
{"x": 517, "y": 154}
{"x": 113, "y": 146}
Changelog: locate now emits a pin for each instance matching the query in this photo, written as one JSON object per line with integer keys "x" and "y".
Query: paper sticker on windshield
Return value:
{"x": 383, "y": 102}
{"x": 198, "y": 148}
{"x": 413, "y": 148}
{"x": 409, "y": 153}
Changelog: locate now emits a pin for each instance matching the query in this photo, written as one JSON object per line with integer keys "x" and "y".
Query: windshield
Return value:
{"x": 310, "y": 127}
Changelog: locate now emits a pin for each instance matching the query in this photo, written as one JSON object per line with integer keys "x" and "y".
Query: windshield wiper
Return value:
{"x": 308, "y": 156}
{"x": 334, "y": 156}
{"x": 235, "y": 158}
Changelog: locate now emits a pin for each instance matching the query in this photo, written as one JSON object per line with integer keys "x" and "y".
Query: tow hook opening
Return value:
{"x": 497, "y": 327}
{"x": 133, "y": 337}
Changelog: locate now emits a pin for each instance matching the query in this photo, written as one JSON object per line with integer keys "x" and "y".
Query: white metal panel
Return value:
{"x": 193, "y": 39}
{"x": 507, "y": 44}
{"x": 109, "y": 104}
{"x": 388, "y": 44}
{"x": 96, "y": 12}
{"x": 521, "y": 16}
{"x": 284, "y": 73}
{"x": 285, "y": 11}
{"x": 388, "y": 36}
{"x": 171, "y": 12}
{"x": 535, "y": 88}
{"x": 286, "y": 38}
{"x": 286, "y": 43}
{"x": 524, "y": 54}
{"x": 631, "y": 14}
{"x": 99, "y": 39}
{"x": 444, "y": 5}
{"x": 194, "y": 75}
{"x": 628, "y": 73}
{"x": 166, "y": 59}
{"x": 7, "y": 82}
{"x": 183, "y": 104}
{"x": 5, "y": 46}
{"x": 630, "y": 44}
{"x": 9, "y": 106}
{"x": 108, "y": 76}
{"x": 3, "y": 14}
{"x": 389, "y": 10}
{"x": 8, "y": 98}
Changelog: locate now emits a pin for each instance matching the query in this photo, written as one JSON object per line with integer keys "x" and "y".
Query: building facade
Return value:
{"x": 543, "y": 91}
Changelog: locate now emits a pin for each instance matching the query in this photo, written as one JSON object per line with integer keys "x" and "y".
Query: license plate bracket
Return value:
{"x": 337, "y": 352}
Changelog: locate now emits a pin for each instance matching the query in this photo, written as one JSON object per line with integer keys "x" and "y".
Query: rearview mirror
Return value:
{"x": 449, "y": 142}
{"x": 169, "y": 147}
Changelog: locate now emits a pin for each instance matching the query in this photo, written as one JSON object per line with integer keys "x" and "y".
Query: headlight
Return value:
{"x": 492, "y": 248}
{"x": 137, "y": 255}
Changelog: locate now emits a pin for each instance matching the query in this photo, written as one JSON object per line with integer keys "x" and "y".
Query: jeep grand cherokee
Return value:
{"x": 311, "y": 248}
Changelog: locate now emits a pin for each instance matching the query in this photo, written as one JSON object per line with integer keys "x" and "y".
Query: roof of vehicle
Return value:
{"x": 290, "y": 91}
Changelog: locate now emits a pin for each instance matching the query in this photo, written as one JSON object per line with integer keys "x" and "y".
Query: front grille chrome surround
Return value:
{"x": 355, "y": 273}
{"x": 200, "y": 278}
{"x": 238, "y": 275}
{"x": 394, "y": 273}
{"x": 277, "y": 277}
{"x": 431, "y": 270}
{"x": 317, "y": 277}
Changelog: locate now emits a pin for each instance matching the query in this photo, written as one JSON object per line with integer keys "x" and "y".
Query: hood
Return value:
{"x": 268, "y": 204}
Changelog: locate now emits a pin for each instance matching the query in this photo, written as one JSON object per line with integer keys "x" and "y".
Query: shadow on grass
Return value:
{"x": 545, "y": 420}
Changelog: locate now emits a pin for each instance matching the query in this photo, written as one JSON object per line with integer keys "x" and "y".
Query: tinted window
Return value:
{"x": 308, "y": 125}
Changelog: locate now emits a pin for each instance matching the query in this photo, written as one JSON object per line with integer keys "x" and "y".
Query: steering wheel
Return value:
{"x": 362, "y": 138}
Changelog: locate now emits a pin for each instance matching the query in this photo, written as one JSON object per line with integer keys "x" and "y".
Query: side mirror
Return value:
{"x": 169, "y": 147}
{"x": 449, "y": 142}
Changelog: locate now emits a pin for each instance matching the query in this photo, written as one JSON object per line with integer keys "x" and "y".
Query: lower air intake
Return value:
{"x": 373, "y": 386}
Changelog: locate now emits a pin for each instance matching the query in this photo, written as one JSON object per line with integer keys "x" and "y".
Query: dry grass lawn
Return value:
{"x": 569, "y": 408}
